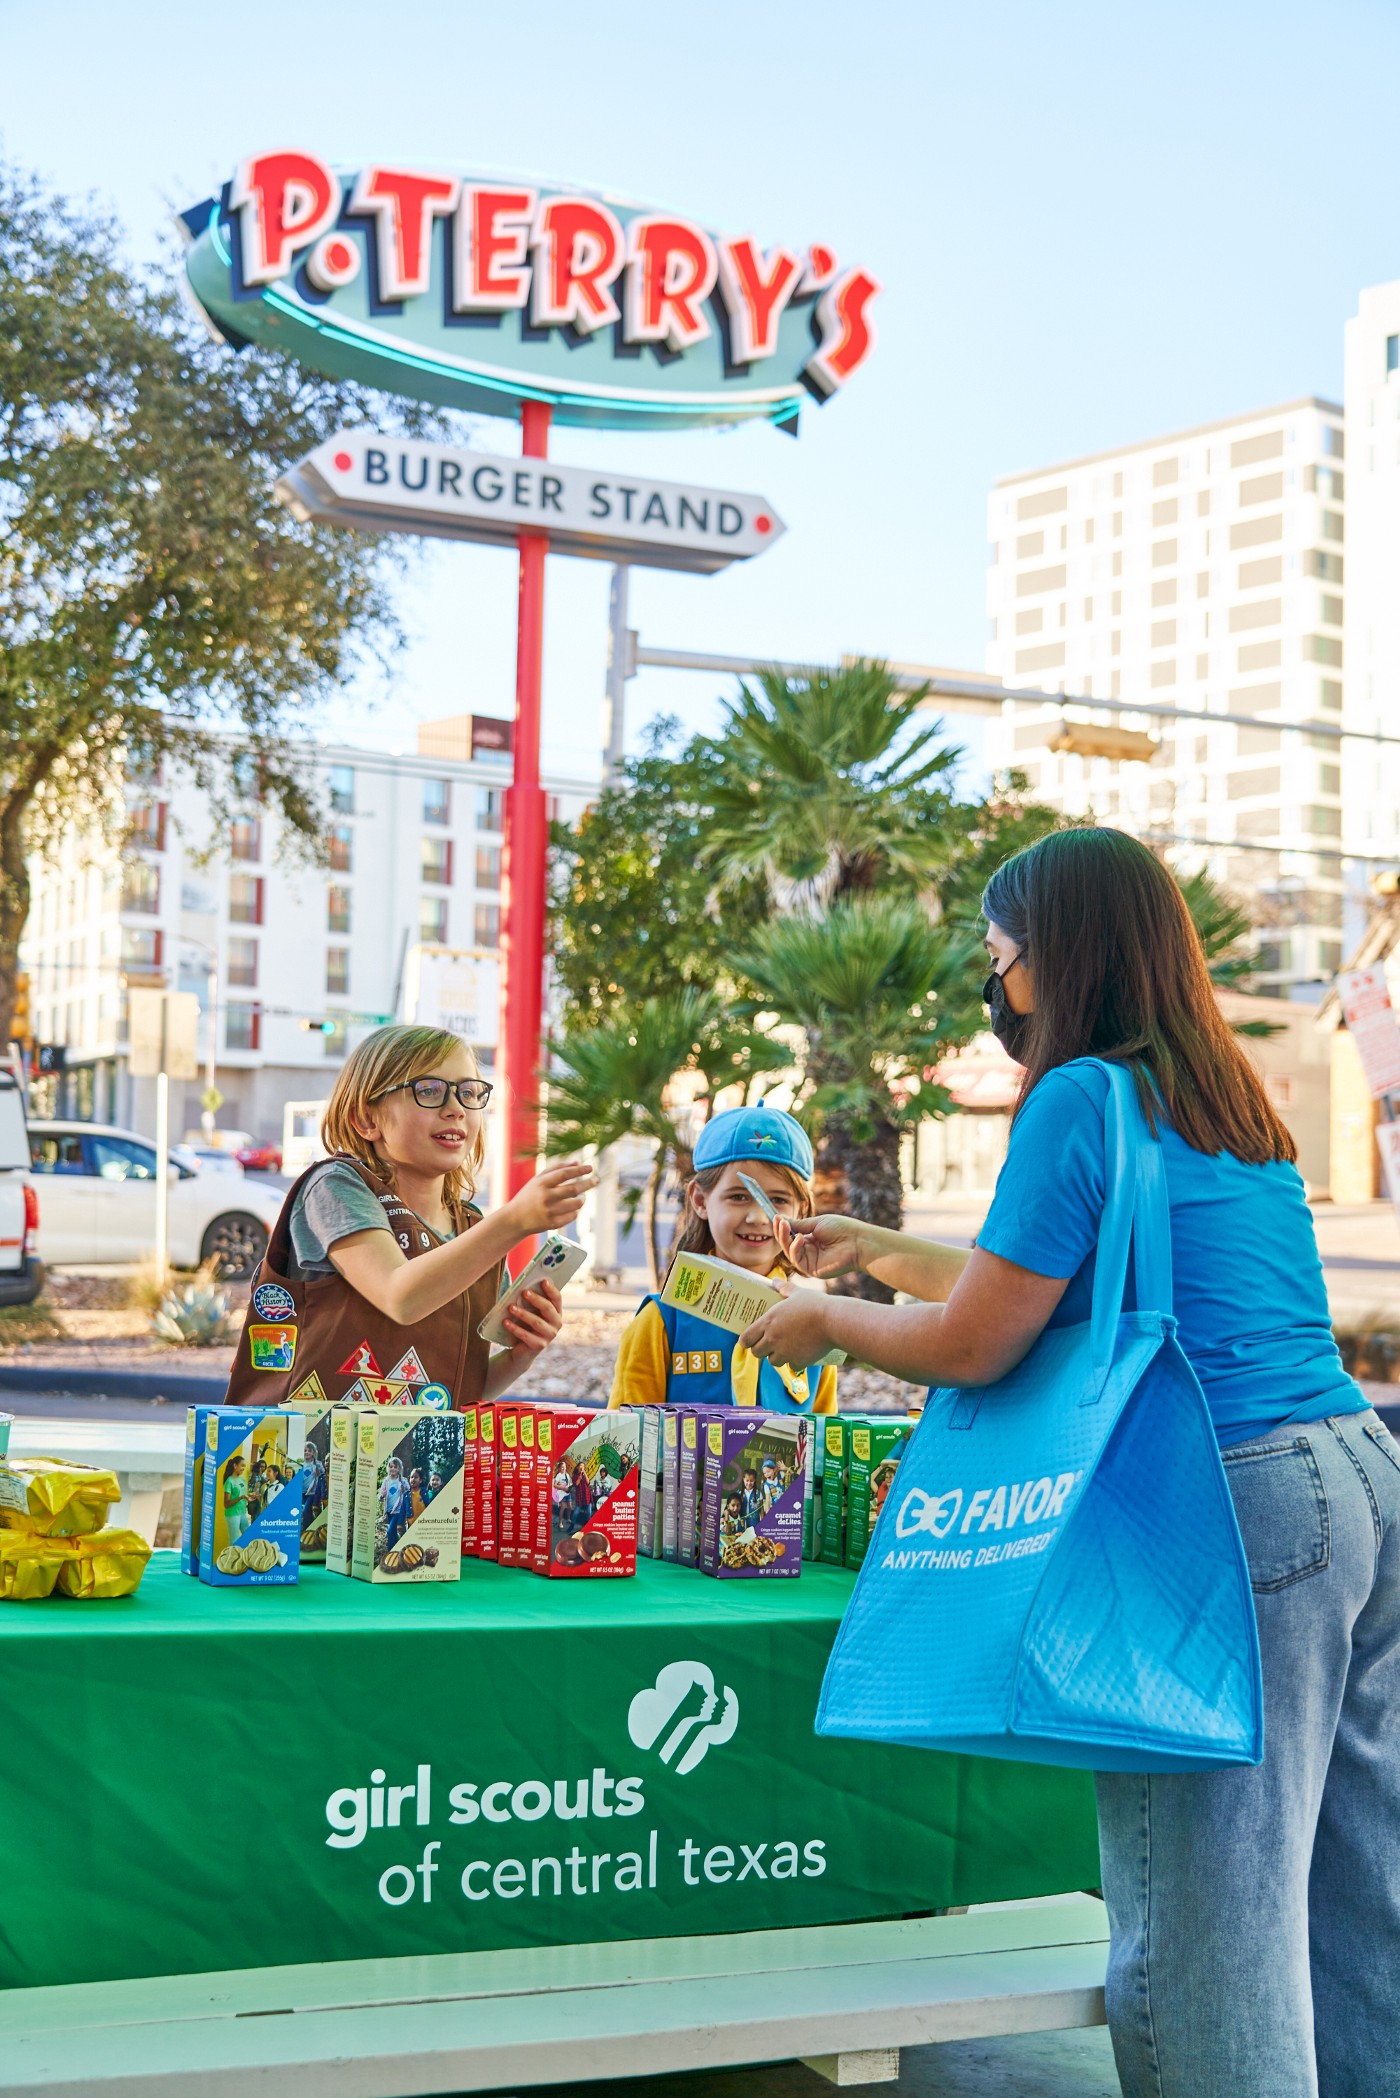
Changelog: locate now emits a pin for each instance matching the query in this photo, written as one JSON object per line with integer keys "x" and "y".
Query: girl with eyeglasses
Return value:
{"x": 387, "y": 1264}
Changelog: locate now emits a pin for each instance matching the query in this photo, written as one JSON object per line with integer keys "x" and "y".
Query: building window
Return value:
{"x": 338, "y": 971}
{"x": 141, "y": 887}
{"x": 490, "y": 808}
{"x": 245, "y": 842}
{"x": 342, "y": 779}
{"x": 436, "y": 857}
{"x": 242, "y": 1026}
{"x": 147, "y": 822}
{"x": 1331, "y": 695}
{"x": 337, "y": 909}
{"x": 334, "y": 1043}
{"x": 243, "y": 963}
{"x": 140, "y": 949}
{"x": 488, "y": 866}
{"x": 245, "y": 899}
{"x": 488, "y": 925}
{"x": 341, "y": 852}
{"x": 1333, "y": 441}
{"x": 432, "y": 920}
{"x": 437, "y": 801}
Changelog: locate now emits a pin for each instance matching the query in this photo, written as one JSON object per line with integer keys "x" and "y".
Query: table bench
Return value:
{"x": 148, "y": 1458}
{"x": 844, "y": 1998}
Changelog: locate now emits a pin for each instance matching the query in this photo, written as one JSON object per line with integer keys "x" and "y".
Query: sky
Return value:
{"x": 1093, "y": 223}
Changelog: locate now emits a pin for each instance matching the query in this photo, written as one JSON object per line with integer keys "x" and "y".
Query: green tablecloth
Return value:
{"x": 173, "y": 1766}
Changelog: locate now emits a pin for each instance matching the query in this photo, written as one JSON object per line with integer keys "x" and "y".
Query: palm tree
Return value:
{"x": 611, "y": 1080}
{"x": 883, "y": 993}
{"x": 825, "y": 785}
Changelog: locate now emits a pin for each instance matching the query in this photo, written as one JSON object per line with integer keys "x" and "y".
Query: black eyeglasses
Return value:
{"x": 433, "y": 1092}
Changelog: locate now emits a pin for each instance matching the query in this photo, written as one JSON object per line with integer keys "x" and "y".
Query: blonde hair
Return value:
{"x": 695, "y": 1233}
{"x": 394, "y": 1056}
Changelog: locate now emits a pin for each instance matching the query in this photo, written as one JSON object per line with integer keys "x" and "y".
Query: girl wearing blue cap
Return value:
{"x": 669, "y": 1355}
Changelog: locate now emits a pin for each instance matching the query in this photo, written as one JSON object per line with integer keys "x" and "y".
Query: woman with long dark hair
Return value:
{"x": 1255, "y": 1912}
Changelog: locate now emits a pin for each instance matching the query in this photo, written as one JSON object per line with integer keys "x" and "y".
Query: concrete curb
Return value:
{"x": 16, "y": 1378}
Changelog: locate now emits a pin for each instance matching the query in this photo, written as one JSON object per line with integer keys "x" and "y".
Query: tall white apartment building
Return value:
{"x": 272, "y": 948}
{"x": 1371, "y": 774}
{"x": 1202, "y": 570}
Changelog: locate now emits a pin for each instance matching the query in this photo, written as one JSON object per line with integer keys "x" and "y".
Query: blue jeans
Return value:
{"x": 1255, "y": 1913}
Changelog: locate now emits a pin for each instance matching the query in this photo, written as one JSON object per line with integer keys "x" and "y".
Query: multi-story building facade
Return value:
{"x": 1371, "y": 773}
{"x": 1203, "y": 571}
{"x": 275, "y": 950}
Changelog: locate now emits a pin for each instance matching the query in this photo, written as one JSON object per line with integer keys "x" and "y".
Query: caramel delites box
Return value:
{"x": 487, "y": 1544}
{"x": 650, "y": 1495}
{"x": 670, "y": 1479}
{"x": 592, "y": 1493}
{"x": 408, "y": 1494}
{"x": 755, "y": 1469}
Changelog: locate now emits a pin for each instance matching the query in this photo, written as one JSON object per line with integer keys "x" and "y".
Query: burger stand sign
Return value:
{"x": 482, "y": 294}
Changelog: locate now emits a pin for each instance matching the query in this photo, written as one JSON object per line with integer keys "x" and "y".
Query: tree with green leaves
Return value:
{"x": 156, "y": 601}
{"x": 883, "y": 993}
{"x": 615, "y": 1077}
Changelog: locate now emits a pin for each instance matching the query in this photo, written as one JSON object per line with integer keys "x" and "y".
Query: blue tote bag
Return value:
{"x": 1057, "y": 1575}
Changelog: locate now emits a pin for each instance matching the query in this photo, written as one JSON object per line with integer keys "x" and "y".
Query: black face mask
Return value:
{"x": 1010, "y": 1028}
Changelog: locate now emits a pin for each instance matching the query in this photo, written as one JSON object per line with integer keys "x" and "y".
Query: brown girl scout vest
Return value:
{"x": 317, "y": 1338}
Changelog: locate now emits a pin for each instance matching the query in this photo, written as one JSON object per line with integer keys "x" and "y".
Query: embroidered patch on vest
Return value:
{"x": 272, "y": 1347}
{"x": 272, "y": 1301}
{"x": 310, "y": 1389}
{"x": 408, "y": 1369}
{"x": 360, "y": 1363}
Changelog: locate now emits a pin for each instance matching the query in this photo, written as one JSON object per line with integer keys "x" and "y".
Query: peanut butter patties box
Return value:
{"x": 586, "y": 1488}
{"x": 250, "y": 1524}
{"x": 408, "y": 1494}
{"x": 752, "y": 1492}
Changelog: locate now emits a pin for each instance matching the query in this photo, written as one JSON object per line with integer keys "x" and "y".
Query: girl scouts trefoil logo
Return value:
{"x": 683, "y": 1715}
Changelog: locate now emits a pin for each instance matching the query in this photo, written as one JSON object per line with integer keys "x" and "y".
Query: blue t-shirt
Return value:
{"x": 1247, "y": 1282}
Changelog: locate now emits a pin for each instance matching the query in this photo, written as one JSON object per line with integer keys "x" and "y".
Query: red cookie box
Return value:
{"x": 586, "y": 1486}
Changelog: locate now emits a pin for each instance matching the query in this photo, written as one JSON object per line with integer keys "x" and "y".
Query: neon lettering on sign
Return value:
{"x": 474, "y": 293}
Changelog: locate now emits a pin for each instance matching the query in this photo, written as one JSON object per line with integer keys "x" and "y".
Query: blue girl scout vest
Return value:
{"x": 701, "y": 1370}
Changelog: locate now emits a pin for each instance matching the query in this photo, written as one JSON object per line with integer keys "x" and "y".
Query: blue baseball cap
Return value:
{"x": 754, "y": 1132}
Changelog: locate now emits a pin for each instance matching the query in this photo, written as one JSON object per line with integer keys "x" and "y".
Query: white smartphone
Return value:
{"x": 556, "y": 1260}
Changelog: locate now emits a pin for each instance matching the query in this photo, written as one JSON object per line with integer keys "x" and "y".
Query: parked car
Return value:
{"x": 21, "y": 1270}
{"x": 98, "y": 1195}
{"x": 205, "y": 1159}
{"x": 260, "y": 1158}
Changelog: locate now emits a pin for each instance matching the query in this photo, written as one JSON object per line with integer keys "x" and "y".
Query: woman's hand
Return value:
{"x": 794, "y": 1332}
{"x": 535, "y": 1319}
{"x": 552, "y": 1199}
{"x": 822, "y": 1246}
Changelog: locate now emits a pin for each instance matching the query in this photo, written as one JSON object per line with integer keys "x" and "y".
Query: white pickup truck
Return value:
{"x": 21, "y": 1272}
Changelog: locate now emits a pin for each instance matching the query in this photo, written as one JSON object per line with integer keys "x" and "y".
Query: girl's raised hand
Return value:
{"x": 821, "y": 1246}
{"x": 535, "y": 1319}
{"x": 552, "y": 1199}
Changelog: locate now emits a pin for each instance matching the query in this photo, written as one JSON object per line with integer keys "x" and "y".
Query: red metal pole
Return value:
{"x": 523, "y": 873}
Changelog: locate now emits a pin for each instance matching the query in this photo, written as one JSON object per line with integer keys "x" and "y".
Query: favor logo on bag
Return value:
{"x": 935, "y": 1513}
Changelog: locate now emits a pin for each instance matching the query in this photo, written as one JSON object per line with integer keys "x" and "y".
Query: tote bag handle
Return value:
{"x": 1135, "y": 1214}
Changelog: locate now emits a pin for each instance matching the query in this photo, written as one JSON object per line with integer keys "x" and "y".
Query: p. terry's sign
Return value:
{"x": 477, "y": 293}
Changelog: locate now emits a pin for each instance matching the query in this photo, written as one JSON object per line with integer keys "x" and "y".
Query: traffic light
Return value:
{"x": 318, "y": 1026}
{"x": 19, "y": 1018}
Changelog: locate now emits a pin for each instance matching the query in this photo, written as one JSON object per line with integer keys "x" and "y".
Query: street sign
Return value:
{"x": 399, "y": 484}
{"x": 1366, "y": 1008}
{"x": 455, "y": 988}
{"x": 480, "y": 293}
{"x": 163, "y": 1021}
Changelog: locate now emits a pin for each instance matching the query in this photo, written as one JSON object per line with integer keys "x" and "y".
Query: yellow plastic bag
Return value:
{"x": 29, "y": 1566}
{"x": 53, "y": 1497}
{"x": 107, "y": 1564}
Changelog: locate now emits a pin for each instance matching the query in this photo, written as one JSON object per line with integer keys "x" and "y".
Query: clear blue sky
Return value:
{"x": 1093, "y": 222}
